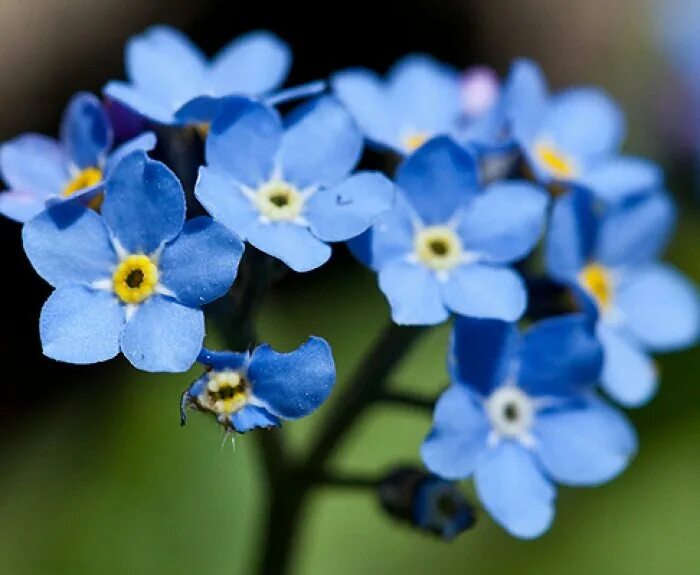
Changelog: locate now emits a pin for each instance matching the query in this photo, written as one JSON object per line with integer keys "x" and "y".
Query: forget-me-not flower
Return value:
{"x": 172, "y": 82}
{"x": 643, "y": 305}
{"x": 40, "y": 170}
{"x": 285, "y": 187}
{"x": 245, "y": 391}
{"x": 446, "y": 245}
{"x": 520, "y": 417}
{"x": 133, "y": 278}
{"x": 573, "y": 137}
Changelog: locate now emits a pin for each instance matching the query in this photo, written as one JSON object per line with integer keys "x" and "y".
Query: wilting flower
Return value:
{"x": 172, "y": 82}
{"x": 40, "y": 170}
{"x": 246, "y": 391}
{"x": 643, "y": 305}
{"x": 287, "y": 189}
{"x": 133, "y": 278}
{"x": 446, "y": 245}
{"x": 573, "y": 137}
{"x": 520, "y": 416}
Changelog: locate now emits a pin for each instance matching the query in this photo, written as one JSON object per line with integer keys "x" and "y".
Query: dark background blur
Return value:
{"x": 96, "y": 476}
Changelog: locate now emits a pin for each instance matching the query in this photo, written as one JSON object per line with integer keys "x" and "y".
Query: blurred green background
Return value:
{"x": 97, "y": 477}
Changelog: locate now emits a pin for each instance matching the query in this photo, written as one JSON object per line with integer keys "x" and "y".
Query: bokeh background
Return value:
{"x": 96, "y": 476}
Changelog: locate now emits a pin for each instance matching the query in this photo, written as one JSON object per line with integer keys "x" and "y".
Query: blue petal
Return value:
{"x": 243, "y": 141}
{"x": 504, "y": 223}
{"x": 69, "y": 244}
{"x": 144, "y": 204}
{"x": 424, "y": 94}
{"x": 20, "y": 206}
{"x": 201, "y": 264}
{"x": 438, "y": 179}
{"x": 225, "y": 202}
{"x": 413, "y": 293}
{"x": 660, "y": 307}
{"x": 572, "y": 235}
{"x": 252, "y": 417}
{"x": 253, "y": 64}
{"x": 200, "y": 110}
{"x": 363, "y": 93}
{"x": 35, "y": 164}
{"x": 163, "y": 335}
{"x": 292, "y": 385}
{"x": 85, "y": 131}
{"x": 321, "y": 144}
{"x": 220, "y": 360}
{"x": 560, "y": 356}
{"x": 393, "y": 234}
{"x": 584, "y": 122}
{"x": 482, "y": 352}
{"x": 344, "y": 211}
{"x": 458, "y": 436}
{"x": 587, "y": 443}
{"x": 514, "y": 490}
{"x": 636, "y": 231}
{"x": 483, "y": 291}
{"x": 81, "y": 325}
{"x": 137, "y": 101}
{"x": 621, "y": 177}
{"x": 145, "y": 142}
{"x": 525, "y": 99}
{"x": 629, "y": 375}
{"x": 295, "y": 245}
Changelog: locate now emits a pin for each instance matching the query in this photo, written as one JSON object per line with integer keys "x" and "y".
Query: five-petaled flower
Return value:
{"x": 446, "y": 245}
{"x": 520, "y": 416}
{"x": 643, "y": 305}
{"x": 133, "y": 278}
{"x": 286, "y": 189}
{"x": 41, "y": 171}
{"x": 245, "y": 391}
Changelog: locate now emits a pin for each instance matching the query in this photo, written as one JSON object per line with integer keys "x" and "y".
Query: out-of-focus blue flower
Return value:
{"x": 40, "y": 170}
{"x": 285, "y": 188}
{"x": 573, "y": 137}
{"x": 246, "y": 391}
{"x": 446, "y": 245}
{"x": 421, "y": 98}
{"x": 133, "y": 278}
{"x": 172, "y": 82}
{"x": 520, "y": 416}
{"x": 439, "y": 507}
{"x": 643, "y": 305}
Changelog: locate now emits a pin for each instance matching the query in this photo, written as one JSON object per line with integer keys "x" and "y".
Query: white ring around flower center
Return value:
{"x": 438, "y": 247}
{"x": 510, "y": 411}
{"x": 279, "y": 200}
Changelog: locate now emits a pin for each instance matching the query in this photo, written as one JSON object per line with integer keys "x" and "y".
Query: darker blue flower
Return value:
{"x": 286, "y": 188}
{"x": 172, "y": 82}
{"x": 40, "y": 170}
{"x": 643, "y": 305}
{"x": 573, "y": 137}
{"x": 245, "y": 391}
{"x": 446, "y": 245}
{"x": 520, "y": 416}
{"x": 134, "y": 278}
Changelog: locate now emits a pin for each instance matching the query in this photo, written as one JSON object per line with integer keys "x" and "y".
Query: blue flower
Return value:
{"x": 40, "y": 170}
{"x": 520, "y": 417}
{"x": 643, "y": 305}
{"x": 133, "y": 278}
{"x": 446, "y": 245}
{"x": 421, "y": 98}
{"x": 573, "y": 137}
{"x": 285, "y": 188}
{"x": 439, "y": 507}
{"x": 246, "y": 391}
{"x": 172, "y": 82}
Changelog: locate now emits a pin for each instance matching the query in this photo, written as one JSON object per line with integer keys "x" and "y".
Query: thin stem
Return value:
{"x": 347, "y": 481}
{"x": 408, "y": 399}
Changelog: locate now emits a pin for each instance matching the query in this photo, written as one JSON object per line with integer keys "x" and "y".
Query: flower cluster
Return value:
{"x": 499, "y": 187}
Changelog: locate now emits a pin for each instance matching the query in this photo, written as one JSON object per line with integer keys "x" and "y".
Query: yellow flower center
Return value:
{"x": 84, "y": 179}
{"x": 556, "y": 163}
{"x": 596, "y": 280}
{"x": 202, "y": 129}
{"x": 226, "y": 392}
{"x": 135, "y": 279}
{"x": 438, "y": 247}
{"x": 414, "y": 140}
{"x": 278, "y": 200}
